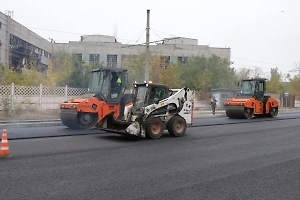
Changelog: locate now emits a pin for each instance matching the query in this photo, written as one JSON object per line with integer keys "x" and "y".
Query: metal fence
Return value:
{"x": 41, "y": 97}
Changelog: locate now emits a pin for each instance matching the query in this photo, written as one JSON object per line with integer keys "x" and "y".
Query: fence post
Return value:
{"x": 40, "y": 97}
{"x": 66, "y": 93}
{"x": 12, "y": 95}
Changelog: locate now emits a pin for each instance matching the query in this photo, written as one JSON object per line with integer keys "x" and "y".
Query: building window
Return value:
{"x": 164, "y": 61}
{"x": 78, "y": 57}
{"x": 0, "y": 24}
{"x": 94, "y": 58}
{"x": 182, "y": 60}
{"x": 111, "y": 60}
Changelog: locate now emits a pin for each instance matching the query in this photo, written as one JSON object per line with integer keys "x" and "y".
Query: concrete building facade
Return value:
{"x": 109, "y": 52}
{"x": 18, "y": 45}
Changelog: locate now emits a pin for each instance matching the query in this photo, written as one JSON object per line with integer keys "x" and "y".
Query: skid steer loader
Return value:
{"x": 155, "y": 108}
{"x": 106, "y": 94}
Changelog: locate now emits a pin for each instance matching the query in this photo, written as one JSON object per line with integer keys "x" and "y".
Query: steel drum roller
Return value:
{"x": 239, "y": 112}
{"x": 68, "y": 118}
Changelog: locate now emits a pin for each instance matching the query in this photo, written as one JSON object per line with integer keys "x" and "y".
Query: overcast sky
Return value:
{"x": 260, "y": 33}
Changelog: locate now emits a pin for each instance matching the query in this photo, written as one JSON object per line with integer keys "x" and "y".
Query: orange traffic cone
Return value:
{"x": 4, "y": 149}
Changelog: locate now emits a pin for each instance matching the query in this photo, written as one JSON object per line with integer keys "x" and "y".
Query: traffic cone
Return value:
{"x": 4, "y": 149}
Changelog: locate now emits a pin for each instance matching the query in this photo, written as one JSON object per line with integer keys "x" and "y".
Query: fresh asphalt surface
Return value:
{"x": 218, "y": 158}
{"x": 54, "y": 128}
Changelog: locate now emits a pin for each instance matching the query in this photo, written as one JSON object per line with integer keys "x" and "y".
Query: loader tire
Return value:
{"x": 176, "y": 126}
{"x": 154, "y": 127}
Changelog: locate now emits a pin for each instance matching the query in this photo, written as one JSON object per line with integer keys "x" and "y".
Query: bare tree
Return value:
{"x": 296, "y": 69}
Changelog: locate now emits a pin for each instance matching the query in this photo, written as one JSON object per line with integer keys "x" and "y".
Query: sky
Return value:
{"x": 260, "y": 33}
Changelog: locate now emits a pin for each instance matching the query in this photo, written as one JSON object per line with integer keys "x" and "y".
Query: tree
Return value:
{"x": 243, "y": 73}
{"x": 7, "y": 76}
{"x": 62, "y": 67}
{"x": 193, "y": 72}
{"x": 223, "y": 76}
{"x": 294, "y": 86}
{"x": 297, "y": 68}
{"x": 257, "y": 72}
{"x": 67, "y": 70}
{"x": 203, "y": 73}
{"x": 171, "y": 76}
{"x": 50, "y": 76}
{"x": 136, "y": 68}
{"x": 274, "y": 84}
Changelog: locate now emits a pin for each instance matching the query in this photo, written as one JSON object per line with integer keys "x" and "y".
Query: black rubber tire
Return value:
{"x": 176, "y": 126}
{"x": 273, "y": 112}
{"x": 154, "y": 127}
{"x": 248, "y": 112}
{"x": 87, "y": 120}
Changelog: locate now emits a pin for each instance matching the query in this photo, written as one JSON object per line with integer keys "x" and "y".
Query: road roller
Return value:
{"x": 106, "y": 94}
{"x": 252, "y": 101}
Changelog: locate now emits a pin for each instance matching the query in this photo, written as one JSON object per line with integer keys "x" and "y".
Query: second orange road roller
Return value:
{"x": 252, "y": 101}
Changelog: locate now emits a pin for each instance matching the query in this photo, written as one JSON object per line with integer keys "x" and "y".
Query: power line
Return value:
{"x": 156, "y": 34}
{"x": 139, "y": 36}
{"x": 153, "y": 42}
{"x": 261, "y": 62}
{"x": 164, "y": 33}
{"x": 250, "y": 66}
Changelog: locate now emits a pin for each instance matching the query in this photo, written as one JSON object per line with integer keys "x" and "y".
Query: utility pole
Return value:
{"x": 147, "y": 48}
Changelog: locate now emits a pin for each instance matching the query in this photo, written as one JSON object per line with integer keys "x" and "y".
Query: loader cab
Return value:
{"x": 108, "y": 84}
{"x": 147, "y": 94}
{"x": 254, "y": 87}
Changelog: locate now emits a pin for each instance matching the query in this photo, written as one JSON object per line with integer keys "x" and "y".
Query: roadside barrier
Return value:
{"x": 4, "y": 149}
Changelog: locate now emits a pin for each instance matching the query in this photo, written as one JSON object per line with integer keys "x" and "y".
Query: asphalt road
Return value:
{"x": 214, "y": 160}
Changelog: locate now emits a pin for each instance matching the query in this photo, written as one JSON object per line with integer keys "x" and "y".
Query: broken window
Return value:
{"x": 112, "y": 60}
{"x": 182, "y": 60}
{"x": 94, "y": 58}
{"x": 78, "y": 56}
{"x": 164, "y": 61}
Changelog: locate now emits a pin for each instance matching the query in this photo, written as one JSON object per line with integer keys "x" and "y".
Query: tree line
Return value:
{"x": 198, "y": 73}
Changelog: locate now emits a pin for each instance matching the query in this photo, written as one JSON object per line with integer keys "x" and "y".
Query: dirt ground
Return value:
{"x": 30, "y": 115}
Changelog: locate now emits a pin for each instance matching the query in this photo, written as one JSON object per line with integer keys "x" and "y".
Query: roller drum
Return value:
{"x": 68, "y": 118}
{"x": 239, "y": 112}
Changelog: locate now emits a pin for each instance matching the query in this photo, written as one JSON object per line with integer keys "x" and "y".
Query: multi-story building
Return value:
{"x": 18, "y": 45}
{"x": 109, "y": 52}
